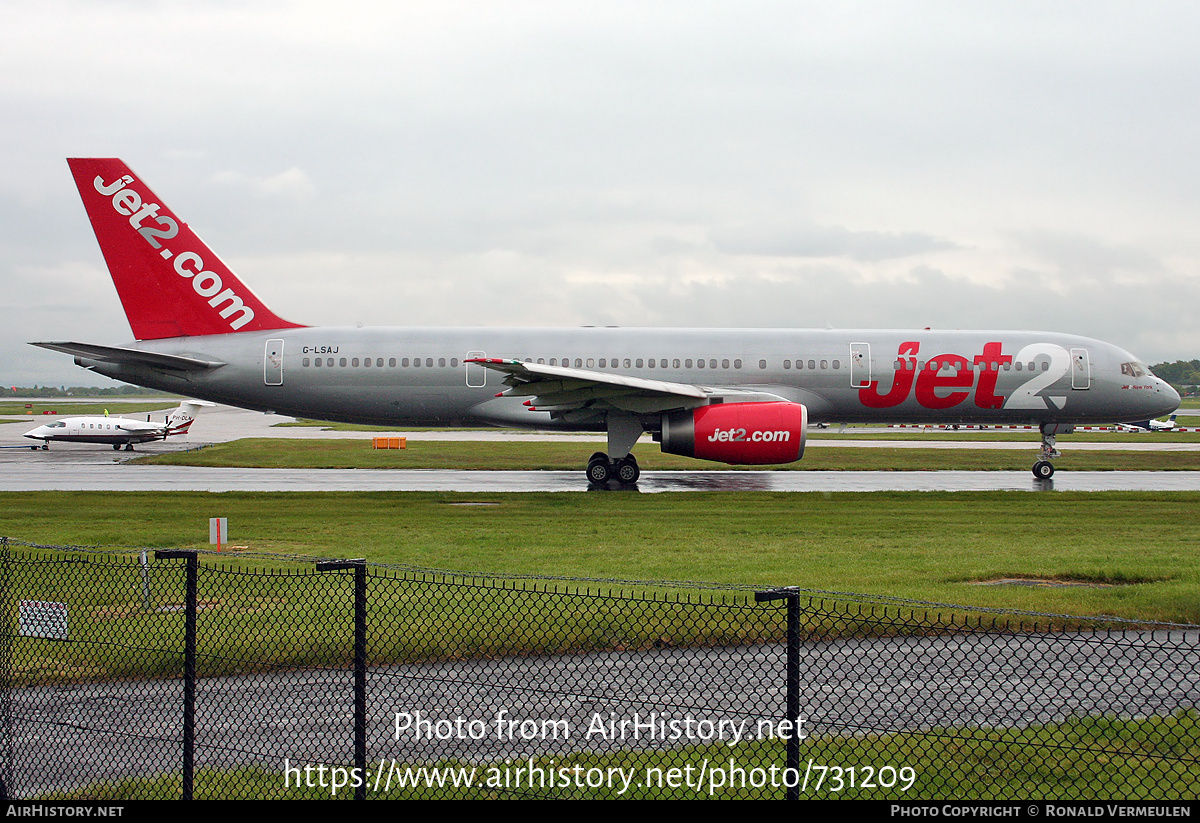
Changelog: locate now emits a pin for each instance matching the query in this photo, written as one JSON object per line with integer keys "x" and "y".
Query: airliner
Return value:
{"x": 736, "y": 396}
{"x": 116, "y": 431}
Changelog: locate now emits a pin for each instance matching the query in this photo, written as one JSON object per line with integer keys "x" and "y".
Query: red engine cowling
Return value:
{"x": 738, "y": 433}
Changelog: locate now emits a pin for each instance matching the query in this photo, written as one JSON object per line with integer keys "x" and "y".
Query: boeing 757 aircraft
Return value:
{"x": 117, "y": 431}
{"x": 742, "y": 396}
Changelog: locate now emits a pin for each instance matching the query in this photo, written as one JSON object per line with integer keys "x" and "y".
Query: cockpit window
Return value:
{"x": 1134, "y": 369}
{"x": 57, "y": 424}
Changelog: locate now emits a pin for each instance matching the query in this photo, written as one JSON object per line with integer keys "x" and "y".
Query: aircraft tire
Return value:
{"x": 1043, "y": 470}
{"x": 599, "y": 471}
{"x": 628, "y": 471}
{"x": 116, "y": 447}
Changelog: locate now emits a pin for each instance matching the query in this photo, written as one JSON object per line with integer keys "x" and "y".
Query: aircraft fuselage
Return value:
{"x": 419, "y": 375}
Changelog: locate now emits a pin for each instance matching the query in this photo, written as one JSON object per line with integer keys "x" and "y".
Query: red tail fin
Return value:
{"x": 170, "y": 283}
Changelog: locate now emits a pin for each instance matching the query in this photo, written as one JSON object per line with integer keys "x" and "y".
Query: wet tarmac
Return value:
{"x": 84, "y": 467}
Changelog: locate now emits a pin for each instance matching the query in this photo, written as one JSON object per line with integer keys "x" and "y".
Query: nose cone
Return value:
{"x": 1170, "y": 398}
{"x": 37, "y": 434}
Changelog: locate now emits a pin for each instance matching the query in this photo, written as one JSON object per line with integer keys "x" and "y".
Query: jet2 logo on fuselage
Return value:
{"x": 129, "y": 203}
{"x": 953, "y": 372}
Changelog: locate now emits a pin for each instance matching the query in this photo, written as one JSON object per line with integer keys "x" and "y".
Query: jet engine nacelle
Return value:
{"x": 738, "y": 433}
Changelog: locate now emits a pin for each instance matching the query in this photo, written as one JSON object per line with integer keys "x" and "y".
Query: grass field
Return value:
{"x": 926, "y": 546}
{"x": 52, "y": 408}
{"x": 567, "y": 456}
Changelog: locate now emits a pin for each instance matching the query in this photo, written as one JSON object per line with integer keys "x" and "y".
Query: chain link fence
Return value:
{"x": 163, "y": 674}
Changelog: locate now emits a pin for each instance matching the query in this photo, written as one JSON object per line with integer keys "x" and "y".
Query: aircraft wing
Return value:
{"x": 136, "y": 357}
{"x": 138, "y": 426}
{"x": 578, "y": 394}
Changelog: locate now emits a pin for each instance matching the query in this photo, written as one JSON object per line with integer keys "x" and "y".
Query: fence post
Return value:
{"x": 189, "y": 664}
{"x": 792, "y": 766}
{"x": 360, "y": 665}
{"x": 7, "y": 632}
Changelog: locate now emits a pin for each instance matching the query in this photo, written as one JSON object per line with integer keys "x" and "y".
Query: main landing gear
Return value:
{"x": 600, "y": 469}
{"x": 618, "y": 464}
{"x": 128, "y": 447}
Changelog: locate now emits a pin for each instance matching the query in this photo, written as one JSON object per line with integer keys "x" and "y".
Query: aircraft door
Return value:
{"x": 1081, "y": 369}
{"x": 273, "y": 362}
{"x": 476, "y": 374}
{"x": 860, "y": 365}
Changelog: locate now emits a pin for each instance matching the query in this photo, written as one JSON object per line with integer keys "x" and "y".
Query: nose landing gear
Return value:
{"x": 1043, "y": 469}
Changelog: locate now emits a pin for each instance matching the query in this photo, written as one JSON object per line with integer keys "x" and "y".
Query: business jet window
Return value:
{"x": 787, "y": 364}
{"x": 724, "y": 364}
{"x": 699, "y": 364}
{"x": 837, "y": 364}
{"x": 687, "y": 364}
{"x": 737, "y": 364}
{"x": 675, "y": 363}
{"x": 392, "y": 362}
{"x": 454, "y": 362}
{"x": 304, "y": 362}
{"x": 329, "y": 362}
{"x": 442, "y": 362}
{"x": 762, "y": 364}
{"x": 824, "y": 364}
{"x": 639, "y": 362}
{"x": 1133, "y": 369}
{"x": 628, "y": 363}
{"x": 812, "y": 364}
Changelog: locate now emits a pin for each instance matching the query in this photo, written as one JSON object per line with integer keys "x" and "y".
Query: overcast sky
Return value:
{"x": 884, "y": 164}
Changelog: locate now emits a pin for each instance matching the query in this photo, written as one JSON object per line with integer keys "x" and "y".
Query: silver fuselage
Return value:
{"x": 983, "y": 377}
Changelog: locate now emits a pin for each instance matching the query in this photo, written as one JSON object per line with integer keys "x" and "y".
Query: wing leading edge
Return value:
{"x": 579, "y": 395}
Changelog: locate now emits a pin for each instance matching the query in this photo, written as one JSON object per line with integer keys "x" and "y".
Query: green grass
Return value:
{"x": 1086, "y": 759}
{"x": 922, "y": 545}
{"x": 68, "y": 407}
{"x": 566, "y": 456}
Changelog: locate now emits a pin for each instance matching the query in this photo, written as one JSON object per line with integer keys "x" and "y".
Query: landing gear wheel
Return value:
{"x": 627, "y": 470}
{"x": 116, "y": 447}
{"x": 599, "y": 470}
{"x": 1043, "y": 470}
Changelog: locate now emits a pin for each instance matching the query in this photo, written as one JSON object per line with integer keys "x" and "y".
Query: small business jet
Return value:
{"x": 116, "y": 431}
{"x": 741, "y": 396}
{"x": 1149, "y": 425}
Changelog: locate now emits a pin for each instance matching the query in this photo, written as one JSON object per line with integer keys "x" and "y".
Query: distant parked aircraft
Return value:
{"x": 1150, "y": 425}
{"x": 117, "y": 431}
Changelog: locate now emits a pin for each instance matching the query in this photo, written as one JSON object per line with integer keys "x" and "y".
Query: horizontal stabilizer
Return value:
{"x": 131, "y": 357}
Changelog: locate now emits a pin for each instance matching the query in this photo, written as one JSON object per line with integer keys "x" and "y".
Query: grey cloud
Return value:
{"x": 806, "y": 239}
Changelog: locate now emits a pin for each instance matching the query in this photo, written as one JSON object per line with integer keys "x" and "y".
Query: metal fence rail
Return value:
{"x": 134, "y": 676}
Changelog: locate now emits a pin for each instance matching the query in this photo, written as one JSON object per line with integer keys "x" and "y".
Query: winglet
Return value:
{"x": 170, "y": 283}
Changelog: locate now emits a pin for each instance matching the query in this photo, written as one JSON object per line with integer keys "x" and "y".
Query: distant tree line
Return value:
{"x": 1180, "y": 374}
{"x": 78, "y": 391}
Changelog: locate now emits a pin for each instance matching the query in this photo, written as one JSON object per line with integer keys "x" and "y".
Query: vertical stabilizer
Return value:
{"x": 170, "y": 283}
